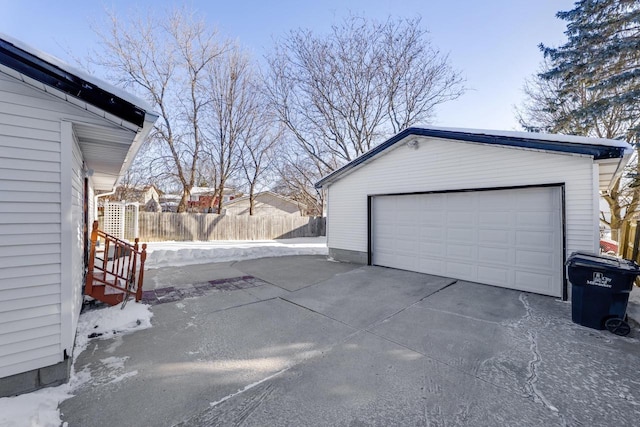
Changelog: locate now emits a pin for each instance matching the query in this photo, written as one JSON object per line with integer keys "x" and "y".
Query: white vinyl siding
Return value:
{"x": 30, "y": 239}
{"x": 264, "y": 205}
{"x": 439, "y": 165}
{"x": 38, "y": 308}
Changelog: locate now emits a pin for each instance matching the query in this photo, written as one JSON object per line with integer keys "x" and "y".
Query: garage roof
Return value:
{"x": 108, "y": 149}
{"x": 610, "y": 154}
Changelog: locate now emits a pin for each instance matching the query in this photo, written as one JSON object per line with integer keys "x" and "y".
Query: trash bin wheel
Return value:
{"x": 617, "y": 326}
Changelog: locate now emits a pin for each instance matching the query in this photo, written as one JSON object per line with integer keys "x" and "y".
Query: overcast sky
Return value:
{"x": 493, "y": 42}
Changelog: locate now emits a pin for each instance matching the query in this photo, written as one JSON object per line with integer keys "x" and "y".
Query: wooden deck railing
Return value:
{"x": 116, "y": 270}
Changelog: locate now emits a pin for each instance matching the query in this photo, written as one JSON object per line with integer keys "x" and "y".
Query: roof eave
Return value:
{"x": 48, "y": 74}
{"x": 596, "y": 151}
{"x": 136, "y": 144}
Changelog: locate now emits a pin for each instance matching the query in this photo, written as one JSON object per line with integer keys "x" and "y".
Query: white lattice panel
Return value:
{"x": 114, "y": 217}
{"x": 131, "y": 221}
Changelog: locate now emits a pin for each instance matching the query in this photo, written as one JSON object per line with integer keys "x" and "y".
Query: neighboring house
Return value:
{"x": 170, "y": 202}
{"x": 202, "y": 198}
{"x": 134, "y": 194}
{"x": 265, "y": 203}
{"x": 147, "y": 197}
{"x": 63, "y": 136}
{"x": 500, "y": 208}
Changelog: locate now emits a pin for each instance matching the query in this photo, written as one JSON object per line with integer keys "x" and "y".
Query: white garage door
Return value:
{"x": 510, "y": 238}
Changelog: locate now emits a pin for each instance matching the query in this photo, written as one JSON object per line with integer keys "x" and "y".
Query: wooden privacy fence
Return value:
{"x": 629, "y": 247}
{"x": 629, "y": 241}
{"x": 162, "y": 226}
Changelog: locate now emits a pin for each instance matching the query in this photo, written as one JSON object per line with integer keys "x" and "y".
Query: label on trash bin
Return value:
{"x": 599, "y": 279}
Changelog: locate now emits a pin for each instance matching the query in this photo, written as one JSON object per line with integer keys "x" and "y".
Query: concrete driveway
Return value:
{"x": 302, "y": 341}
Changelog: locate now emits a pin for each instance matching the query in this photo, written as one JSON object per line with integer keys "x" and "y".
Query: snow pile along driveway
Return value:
{"x": 176, "y": 254}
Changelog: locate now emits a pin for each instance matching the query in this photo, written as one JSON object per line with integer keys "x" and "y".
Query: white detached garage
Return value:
{"x": 499, "y": 208}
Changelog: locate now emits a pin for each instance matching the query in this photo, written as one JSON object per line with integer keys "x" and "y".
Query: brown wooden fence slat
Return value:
{"x": 191, "y": 226}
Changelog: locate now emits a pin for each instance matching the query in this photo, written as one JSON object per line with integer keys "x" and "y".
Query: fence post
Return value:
{"x": 636, "y": 243}
{"x": 622, "y": 239}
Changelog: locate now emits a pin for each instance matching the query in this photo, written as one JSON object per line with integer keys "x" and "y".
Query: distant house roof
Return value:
{"x": 210, "y": 190}
{"x": 262, "y": 193}
{"x": 598, "y": 148}
{"x": 107, "y": 150}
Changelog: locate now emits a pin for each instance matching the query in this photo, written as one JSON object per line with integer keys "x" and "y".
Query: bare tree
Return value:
{"x": 166, "y": 60}
{"x": 296, "y": 173}
{"x": 257, "y": 158}
{"x": 231, "y": 115}
{"x": 340, "y": 94}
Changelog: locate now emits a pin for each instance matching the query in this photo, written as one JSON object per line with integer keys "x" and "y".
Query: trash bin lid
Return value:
{"x": 591, "y": 260}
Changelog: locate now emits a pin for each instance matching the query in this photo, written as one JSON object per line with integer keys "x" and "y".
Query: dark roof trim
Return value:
{"x": 50, "y": 75}
{"x": 596, "y": 151}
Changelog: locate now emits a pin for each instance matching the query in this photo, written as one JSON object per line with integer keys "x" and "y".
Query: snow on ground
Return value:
{"x": 40, "y": 408}
{"x": 176, "y": 254}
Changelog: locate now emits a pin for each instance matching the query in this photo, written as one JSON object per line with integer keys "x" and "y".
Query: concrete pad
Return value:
{"x": 197, "y": 352}
{"x": 584, "y": 376}
{"x": 475, "y": 301}
{"x": 368, "y": 381}
{"x": 367, "y": 295}
{"x": 590, "y": 376}
{"x": 294, "y": 272}
{"x": 461, "y": 342}
{"x": 156, "y": 278}
{"x": 421, "y": 350}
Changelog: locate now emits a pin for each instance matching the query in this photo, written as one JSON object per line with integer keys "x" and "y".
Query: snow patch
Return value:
{"x": 40, "y": 408}
{"x": 123, "y": 377}
{"x": 114, "y": 362}
{"x": 107, "y": 322}
{"x": 534, "y": 135}
{"x": 177, "y": 254}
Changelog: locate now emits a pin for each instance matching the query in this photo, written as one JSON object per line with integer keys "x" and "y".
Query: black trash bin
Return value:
{"x": 600, "y": 287}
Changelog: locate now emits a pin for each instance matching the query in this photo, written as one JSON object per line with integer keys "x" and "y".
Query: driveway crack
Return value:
{"x": 534, "y": 364}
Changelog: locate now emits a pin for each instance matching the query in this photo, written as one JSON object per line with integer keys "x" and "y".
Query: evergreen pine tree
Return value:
{"x": 602, "y": 53}
{"x": 591, "y": 86}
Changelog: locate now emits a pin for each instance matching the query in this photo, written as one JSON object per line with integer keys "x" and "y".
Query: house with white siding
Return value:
{"x": 63, "y": 136}
{"x": 265, "y": 203}
{"x": 493, "y": 207}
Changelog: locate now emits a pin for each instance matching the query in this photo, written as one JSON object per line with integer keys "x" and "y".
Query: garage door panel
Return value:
{"x": 494, "y": 218}
{"x": 406, "y": 231}
{"x": 494, "y": 237}
{"x": 534, "y": 282}
{"x": 494, "y": 255}
{"x": 431, "y": 249}
{"x": 435, "y": 265}
{"x": 460, "y": 252}
{"x": 460, "y": 218}
{"x": 488, "y": 201}
{"x": 432, "y": 217}
{"x": 498, "y": 276}
{"x": 535, "y": 239}
{"x": 428, "y": 232}
{"x": 460, "y": 270}
{"x": 462, "y": 235}
{"x": 511, "y": 238}
{"x": 458, "y": 203}
{"x": 534, "y": 220}
{"x": 535, "y": 259}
